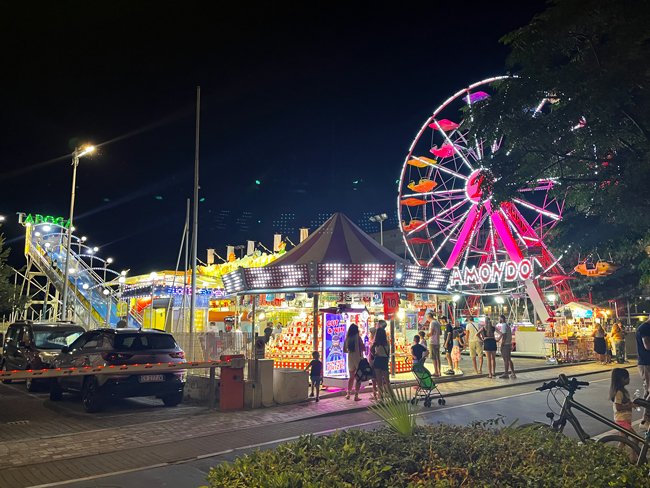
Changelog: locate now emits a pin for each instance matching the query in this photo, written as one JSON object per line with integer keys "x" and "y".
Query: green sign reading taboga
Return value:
{"x": 36, "y": 219}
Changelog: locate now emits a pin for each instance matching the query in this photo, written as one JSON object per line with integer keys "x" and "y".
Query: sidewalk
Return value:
{"x": 522, "y": 365}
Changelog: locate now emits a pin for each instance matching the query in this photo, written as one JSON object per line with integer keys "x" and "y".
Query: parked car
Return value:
{"x": 34, "y": 345}
{"x": 112, "y": 347}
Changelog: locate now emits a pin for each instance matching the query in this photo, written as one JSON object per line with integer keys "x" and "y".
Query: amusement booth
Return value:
{"x": 336, "y": 277}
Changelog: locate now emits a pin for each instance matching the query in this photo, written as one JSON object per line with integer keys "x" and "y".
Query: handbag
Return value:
{"x": 364, "y": 371}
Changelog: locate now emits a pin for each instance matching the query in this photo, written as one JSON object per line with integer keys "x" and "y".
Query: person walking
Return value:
{"x": 643, "y": 350}
{"x": 617, "y": 337}
{"x": 505, "y": 338}
{"x": 380, "y": 351}
{"x": 434, "y": 343}
{"x": 600, "y": 345}
{"x": 490, "y": 347}
{"x": 354, "y": 348}
{"x": 474, "y": 333}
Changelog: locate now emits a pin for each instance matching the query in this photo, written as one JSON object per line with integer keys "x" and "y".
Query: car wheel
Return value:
{"x": 173, "y": 399}
{"x": 56, "y": 393}
{"x": 91, "y": 396}
{"x": 5, "y": 370}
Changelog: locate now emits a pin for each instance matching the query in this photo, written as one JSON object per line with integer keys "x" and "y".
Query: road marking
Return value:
{"x": 277, "y": 441}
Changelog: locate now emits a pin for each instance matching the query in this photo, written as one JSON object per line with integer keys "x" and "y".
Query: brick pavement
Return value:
{"x": 160, "y": 435}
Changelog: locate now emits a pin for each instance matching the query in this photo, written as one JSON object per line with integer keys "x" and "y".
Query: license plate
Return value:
{"x": 151, "y": 378}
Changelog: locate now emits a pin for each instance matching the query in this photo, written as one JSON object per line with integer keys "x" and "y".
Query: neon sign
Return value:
{"x": 335, "y": 361}
{"x": 492, "y": 273}
{"x": 36, "y": 219}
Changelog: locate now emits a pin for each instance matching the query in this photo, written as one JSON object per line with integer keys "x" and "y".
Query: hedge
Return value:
{"x": 440, "y": 456}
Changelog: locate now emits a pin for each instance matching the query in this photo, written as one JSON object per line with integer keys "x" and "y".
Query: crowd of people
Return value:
{"x": 480, "y": 340}
{"x": 609, "y": 345}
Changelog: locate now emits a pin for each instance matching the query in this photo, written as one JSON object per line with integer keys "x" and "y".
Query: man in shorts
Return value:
{"x": 506, "y": 347}
{"x": 434, "y": 342}
{"x": 473, "y": 331}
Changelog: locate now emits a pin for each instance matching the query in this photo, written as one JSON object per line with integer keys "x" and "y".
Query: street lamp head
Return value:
{"x": 378, "y": 218}
{"x": 86, "y": 149}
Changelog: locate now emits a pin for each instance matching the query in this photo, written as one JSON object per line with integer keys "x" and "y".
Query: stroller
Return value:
{"x": 427, "y": 388}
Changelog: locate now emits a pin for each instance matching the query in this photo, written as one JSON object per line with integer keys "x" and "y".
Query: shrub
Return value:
{"x": 441, "y": 455}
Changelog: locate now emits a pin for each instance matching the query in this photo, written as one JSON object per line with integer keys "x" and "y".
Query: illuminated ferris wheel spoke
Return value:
{"x": 444, "y": 169}
{"x": 540, "y": 210}
{"x": 465, "y": 232}
{"x": 437, "y": 216}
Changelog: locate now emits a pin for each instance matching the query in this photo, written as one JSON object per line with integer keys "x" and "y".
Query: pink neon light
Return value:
{"x": 465, "y": 232}
{"x": 504, "y": 233}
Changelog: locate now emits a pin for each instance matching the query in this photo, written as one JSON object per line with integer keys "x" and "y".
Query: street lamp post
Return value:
{"x": 380, "y": 218}
{"x": 78, "y": 153}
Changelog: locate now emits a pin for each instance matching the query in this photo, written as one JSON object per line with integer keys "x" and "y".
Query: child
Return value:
{"x": 455, "y": 351}
{"x": 618, "y": 394}
{"x": 316, "y": 373}
{"x": 418, "y": 351}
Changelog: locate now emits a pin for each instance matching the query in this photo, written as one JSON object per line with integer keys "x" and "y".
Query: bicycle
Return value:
{"x": 639, "y": 448}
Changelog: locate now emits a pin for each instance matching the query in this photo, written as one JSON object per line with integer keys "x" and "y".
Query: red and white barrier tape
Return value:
{"x": 116, "y": 369}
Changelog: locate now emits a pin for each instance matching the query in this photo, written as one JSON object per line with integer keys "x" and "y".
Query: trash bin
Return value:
{"x": 289, "y": 385}
{"x": 231, "y": 383}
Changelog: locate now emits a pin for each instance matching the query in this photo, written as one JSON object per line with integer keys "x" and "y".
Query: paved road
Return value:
{"x": 45, "y": 443}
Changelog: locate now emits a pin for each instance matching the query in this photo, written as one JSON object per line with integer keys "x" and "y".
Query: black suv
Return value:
{"x": 112, "y": 347}
{"x": 34, "y": 345}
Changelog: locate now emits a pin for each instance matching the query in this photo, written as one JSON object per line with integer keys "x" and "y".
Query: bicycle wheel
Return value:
{"x": 630, "y": 447}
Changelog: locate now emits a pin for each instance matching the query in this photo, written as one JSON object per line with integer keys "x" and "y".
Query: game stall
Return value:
{"x": 336, "y": 277}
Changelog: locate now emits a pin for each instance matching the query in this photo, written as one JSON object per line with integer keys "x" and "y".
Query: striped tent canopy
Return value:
{"x": 338, "y": 241}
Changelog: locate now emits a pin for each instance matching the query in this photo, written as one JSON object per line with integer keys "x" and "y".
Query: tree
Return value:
{"x": 586, "y": 62}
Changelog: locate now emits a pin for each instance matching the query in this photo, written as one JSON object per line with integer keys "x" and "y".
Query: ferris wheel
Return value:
{"x": 447, "y": 220}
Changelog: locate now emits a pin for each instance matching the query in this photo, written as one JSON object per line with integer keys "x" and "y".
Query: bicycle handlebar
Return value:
{"x": 563, "y": 382}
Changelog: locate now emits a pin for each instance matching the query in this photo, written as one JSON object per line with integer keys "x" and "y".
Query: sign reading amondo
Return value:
{"x": 36, "y": 219}
{"x": 492, "y": 273}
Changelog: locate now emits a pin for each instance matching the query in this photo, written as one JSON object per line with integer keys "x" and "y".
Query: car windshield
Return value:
{"x": 55, "y": 339}
{"x": 143, "y": 342}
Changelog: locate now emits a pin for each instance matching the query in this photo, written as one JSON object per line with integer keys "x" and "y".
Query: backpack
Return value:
{"x": 364, "y": 371}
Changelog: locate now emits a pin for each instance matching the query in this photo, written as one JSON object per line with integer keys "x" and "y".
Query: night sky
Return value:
{"x": 318, "y": 102}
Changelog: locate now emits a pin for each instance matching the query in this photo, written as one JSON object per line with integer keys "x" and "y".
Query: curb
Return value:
{"x": 460, "y": 393}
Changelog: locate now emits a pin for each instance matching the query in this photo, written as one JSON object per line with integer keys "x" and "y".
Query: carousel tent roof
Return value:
{"x": 338, "y": 241}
